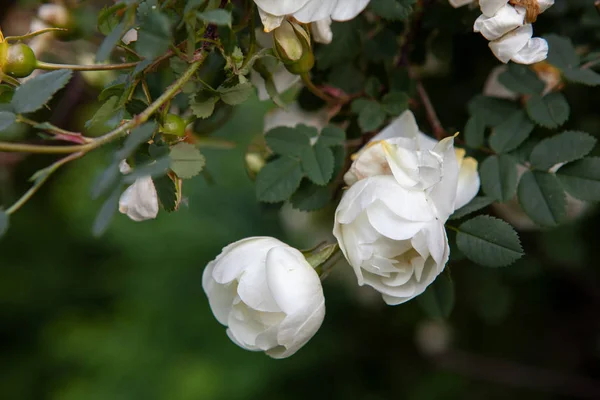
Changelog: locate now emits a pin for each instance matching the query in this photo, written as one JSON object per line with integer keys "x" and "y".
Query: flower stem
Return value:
{"x": 316, "y": 90}
{"x": 98, "y": 67}
{"x": 139, "y": 119}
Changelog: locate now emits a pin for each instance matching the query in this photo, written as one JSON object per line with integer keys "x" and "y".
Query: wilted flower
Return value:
{"x": 390, "y": 222}
{"x": 273, "y": 12}
{"x": 267, "y": 294}
{"x": 140, "y": 200}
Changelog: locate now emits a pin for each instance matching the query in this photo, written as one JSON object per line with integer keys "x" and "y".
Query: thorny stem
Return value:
{"x": 139, "y": 119}
{"x": 75, "y": 67}
{"x": 55, "y": 130}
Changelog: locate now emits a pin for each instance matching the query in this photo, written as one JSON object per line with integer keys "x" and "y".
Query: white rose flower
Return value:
{"x": 321, "y": 31}
{"x": 140, "y": 200}
{"x": 460, "y": 3}
{"x": 272, "y": 12}
{"x": 267, "y": 295}
{"x": 390, "y": 222}
{"x": 509, "y": 29}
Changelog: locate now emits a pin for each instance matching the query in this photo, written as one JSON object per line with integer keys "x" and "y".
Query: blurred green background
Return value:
{"x": 125, "y": 317}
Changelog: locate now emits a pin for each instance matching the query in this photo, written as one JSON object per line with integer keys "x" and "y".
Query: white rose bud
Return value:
{"x": 273, "y": 12}
{"x": 267, "y": 295}
{"x": 140, "y": 200}
{"x": 390, "y": 222}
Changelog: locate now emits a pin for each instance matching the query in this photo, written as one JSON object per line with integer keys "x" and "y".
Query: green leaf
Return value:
{"x": 106, "y": 180}
{"x": 489, "y": 241}
{"x": 332, "y": 136}
{"x": 310, "y": 197}
{"x": 499, "y": 177}
{"x": 135, "y": 107}
{"x": 582, "y": 178}
{"x": 490, "y": 110}
{"x": 37, "y": 91}
{"x": 317, "y": 162}
{"x": 154, "y": 168}
{"x": 562, "y": 148}
{"x": 474, "y": 205}
{"x": 550, "y": 111}
{"x": 186, "y": 160}
{"x": 583, "y": 76}
{"x": 395, "y": 103}
{"x": 106, "y": 213}
{"x": 475, "y": 132}
{"x": 6, "y": 119}
{"x": 139, "y": 135}
{"x": 521, "y": 79}
{"x": 511, "y": 133}
{"x": 237, "y": 94}
{"x": 109, "y": 19}
{"x": 542, "y": 198}
{"x": 438, "y": 300}
{"x": 4, "y": 222}
{"x": 371, "y": 114}
{"x": 278, "y": 180}
{"x": 203, "y": 108}
{"x": 167, "y": 192}
{"x": 217, "y": 17}
{"x": 154, "y": 35}
{"x": 104, "y": 118}
{"x": 109, "y": 42}
{"x": 392, "y": 9}
{"x": 288, "y": 141}
{"x": 561, "y": 52}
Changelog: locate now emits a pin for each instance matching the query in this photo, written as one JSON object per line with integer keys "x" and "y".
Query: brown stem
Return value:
{"x": 434, "y": 121}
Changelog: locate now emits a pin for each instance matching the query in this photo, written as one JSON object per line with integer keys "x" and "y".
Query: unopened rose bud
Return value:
{"x": 292, "y": 46}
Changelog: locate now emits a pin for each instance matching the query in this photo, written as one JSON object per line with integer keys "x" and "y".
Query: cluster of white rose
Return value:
{"x": 507, "y": 24}
{"x": 402, "y": 187}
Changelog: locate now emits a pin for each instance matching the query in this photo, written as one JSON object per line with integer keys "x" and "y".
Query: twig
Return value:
{"x": 432, "y": 117}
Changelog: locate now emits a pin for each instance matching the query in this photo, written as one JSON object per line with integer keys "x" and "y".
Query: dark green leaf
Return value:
{"x": 499, "y": 177}
{"x": 135, "y": 107}
{"x": 490, "y": 110}
{"x": 562, "y": 148}
{"x": 511, "y": 133}
{"x": 310, "y": 197}
{"x": 542, "y": 198}
{"x": 317, "y": 163}
{"x": 139, "y": 135}
{"x": 582, "y": 178}
{"x": 395, "y": 103}
{"x": 287, "y": 141}
{"x": 37, "y": 91}
{"x": 550, "y": 111}
{"x": 370, "y": 114}
{"x": 167, "y": 192}
{"x": 106, "y": 180}
{"x": 489, "y": 241}
{"x": 332, "y": 136}
{"x": 521, "y": 79}
{"x": 109, "y": 42}
{"x": 217, "y": 17}
{"x": 154, "y": 35}
{"x": 203, "y": 106}
{"x": 583, "y": 76}
{"x": 475, "y": 132}
{"x": 106, "y": 117}
{"x": 186, "y": 160}
{"x": 106, "y": 213}
{"x": 237, "y": 94}
{"x": 438, "y": 300}
{"x": 346, "y": 44}
{"x": 474, "y": 205}
{"x": 278, "y": 180}
{"x": 561, "y": 52}
{"x": 6, "y": 119}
